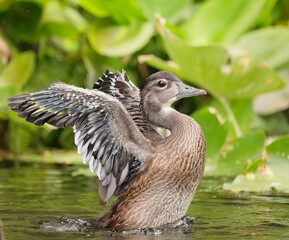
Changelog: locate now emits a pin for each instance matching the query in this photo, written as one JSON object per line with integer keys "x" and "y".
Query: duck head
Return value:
{"x": 161, "y": 90}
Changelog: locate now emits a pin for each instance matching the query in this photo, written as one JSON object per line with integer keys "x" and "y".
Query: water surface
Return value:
{"x": 31, "y": 194}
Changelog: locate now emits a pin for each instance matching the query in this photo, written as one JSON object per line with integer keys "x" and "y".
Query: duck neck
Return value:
{"x": 171, "y": 119}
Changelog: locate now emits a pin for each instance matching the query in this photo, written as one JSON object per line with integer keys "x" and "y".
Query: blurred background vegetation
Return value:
{"x": 238, "y": 51}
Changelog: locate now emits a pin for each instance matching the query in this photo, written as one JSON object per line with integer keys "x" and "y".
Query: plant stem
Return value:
{"x": 231, "y": 116}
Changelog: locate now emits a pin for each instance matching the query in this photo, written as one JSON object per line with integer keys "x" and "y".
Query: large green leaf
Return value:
{"x": 62, "y": 20}
{"x": 109, "y": 39}
{"x": 225, "y": 72}
{"x": 158, "y": 63}
{"x": 39, "y": 2}
{"x": 96, "y": 7}
{"x": 165, "y": 8}
{"x": 242, "y": 110}
{"x": 236, "y": 155}
{"x": 271, "y": 44}
{"x": 123, "y": 11}
{"x": 215, "y": 130}
{"x": 224, "y": 20}
{"x": 5, "y": 93}
{"x": 278, "y": 155}
{"x": 223, "y": 157}
{"x": 273, "y": 176}
{"x": 258, "y": 183}
{"x": 274, "y": 102}
{"x": 18, "y": 71}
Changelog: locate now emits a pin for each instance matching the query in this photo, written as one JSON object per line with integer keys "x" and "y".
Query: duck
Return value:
{"x": 116, "y": 131}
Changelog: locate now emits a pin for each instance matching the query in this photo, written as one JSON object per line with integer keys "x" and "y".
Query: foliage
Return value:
{"x": 236, "y": 50}
{"x": 263, "y": 176}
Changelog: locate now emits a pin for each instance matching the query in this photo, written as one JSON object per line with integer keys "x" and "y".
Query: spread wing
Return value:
{"x": 105, "y": 134}
{"x": 119, "y": 86}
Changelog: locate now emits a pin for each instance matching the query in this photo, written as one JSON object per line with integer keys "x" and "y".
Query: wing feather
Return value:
{"x": 121, "y": 87}
{"x": 105, "y": 134}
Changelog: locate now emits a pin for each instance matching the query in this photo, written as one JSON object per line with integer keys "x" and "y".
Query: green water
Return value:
{"x": 31, "y": 194}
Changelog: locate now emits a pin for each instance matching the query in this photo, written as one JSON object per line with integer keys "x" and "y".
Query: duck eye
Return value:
{"x": 162, "y": 83}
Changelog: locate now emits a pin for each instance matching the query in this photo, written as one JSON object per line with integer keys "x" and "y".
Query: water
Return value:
{"x": 49, "y": 194}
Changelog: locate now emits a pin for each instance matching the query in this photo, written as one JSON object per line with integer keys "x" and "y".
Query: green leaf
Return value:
{"x": 5, "y": 93}
{"x": 66, "y": 44}
{"x": 109, "y": 39}
{"x": 38, "y": 2}
{"x": 274, "y": 102}
{"x": 126, "y": 11}
{"x": 237, "y": 154}
{"x": 158, "y": 63}
{"x": 253, "y": 166}
{"x": 62, "y": 20}
{"x": 166, "y": 9}
{"x": 18, "y": 71}
{"x": 96, "y": 7}
{"x": 271, "y": 44}
{"x": 278, "y": 155}
{"x": 258, "y": 183}
{"x": 267, "y": 178}
{"x": 242, "y": 110}
{"x": 224, "y": 72}
{"x": 223, "y": 21}
{"x": 215, "y": 130}
{"x": 266, "y": 17}
{"x": 123, "y": 11}
{"x": 244, "y": 113}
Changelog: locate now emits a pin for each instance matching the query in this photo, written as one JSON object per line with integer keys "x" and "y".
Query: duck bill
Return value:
{"x": 188, "y": 91}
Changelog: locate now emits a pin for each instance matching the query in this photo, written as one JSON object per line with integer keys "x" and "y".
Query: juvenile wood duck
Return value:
{"x": 115, "y": 126}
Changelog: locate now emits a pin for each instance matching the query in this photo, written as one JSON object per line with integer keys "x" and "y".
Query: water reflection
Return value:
{"x": 179, "y": 229}
{"x": 1, "y": 231}
{"x": 35, "y": 194}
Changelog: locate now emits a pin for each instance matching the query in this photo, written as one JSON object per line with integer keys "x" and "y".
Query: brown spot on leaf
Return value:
{"x": 265, "y": 170}
{"x": 250, "y": 176}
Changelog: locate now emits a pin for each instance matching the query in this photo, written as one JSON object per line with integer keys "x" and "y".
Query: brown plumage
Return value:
{"x": 115, "y": 127}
